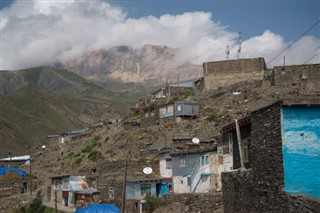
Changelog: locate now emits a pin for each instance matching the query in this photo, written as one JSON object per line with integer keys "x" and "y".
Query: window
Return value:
{"x": 145, "y": 189}
{"x": 179, "y": 108}
{"x": 182, "y": 161}
{"x": 204, "y": 159}
{"x": 56, "y": 184}
{"x": 245, "y": 153}
{"x": 152, "y": 113}
{"x": 146, "y": 114}
{"x": 65, "y": 184}
{"x": 111, "y": 192}
{"x": 168, "y": 163}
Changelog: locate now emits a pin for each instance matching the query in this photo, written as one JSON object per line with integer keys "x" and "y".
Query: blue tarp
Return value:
{"x": 20, "y": 172}
{"x": 99, "y": 208}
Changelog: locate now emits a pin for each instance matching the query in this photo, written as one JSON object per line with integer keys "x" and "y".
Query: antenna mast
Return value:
{"x": 227, "y": 52}
{"x": 239, "y": 50}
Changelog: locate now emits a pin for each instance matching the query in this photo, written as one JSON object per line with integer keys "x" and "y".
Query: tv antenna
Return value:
{"x": 239, "y": 49}
{"x": 227, "y": 52}
{"x": 195, "y": 140}
{"x": 147, "y": 170}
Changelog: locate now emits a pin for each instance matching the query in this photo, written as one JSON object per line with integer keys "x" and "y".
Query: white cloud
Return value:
{"x": 41, "y": 32}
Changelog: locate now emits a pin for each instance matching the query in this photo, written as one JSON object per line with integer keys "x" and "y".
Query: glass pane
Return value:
{"x": 145, "y": 189}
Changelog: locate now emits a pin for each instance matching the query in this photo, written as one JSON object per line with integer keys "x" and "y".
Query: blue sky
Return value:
{"x": 266, "y": 27}
{"x": 287, "y": 18}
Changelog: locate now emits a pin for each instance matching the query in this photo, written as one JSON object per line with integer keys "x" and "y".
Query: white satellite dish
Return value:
{"x": 195, "y": 140}
{"x": 43, "y": 147}
{"x": 147, "y": 170}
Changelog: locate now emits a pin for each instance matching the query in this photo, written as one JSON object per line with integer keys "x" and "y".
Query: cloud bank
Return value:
{"x": 39, "y": 32}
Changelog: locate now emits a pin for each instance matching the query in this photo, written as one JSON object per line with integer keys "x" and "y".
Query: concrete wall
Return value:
{"x": 301, "y": 150}
{"x": 164, "y": 171}
{"x": 133, "y": 190}
{"x": 223, "y": 73}
{"x": 180, "y": 184}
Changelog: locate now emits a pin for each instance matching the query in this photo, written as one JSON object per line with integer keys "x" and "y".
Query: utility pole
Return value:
{"x": 9, "y": 153}
{"x": 124, "y": 183}
{"x": 30, "y": 178}
{"x": 239, "y": 143}
{"x": 55, "y": 202}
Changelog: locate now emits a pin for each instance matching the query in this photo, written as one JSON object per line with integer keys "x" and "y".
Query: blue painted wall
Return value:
{"x": 301, "y": 150}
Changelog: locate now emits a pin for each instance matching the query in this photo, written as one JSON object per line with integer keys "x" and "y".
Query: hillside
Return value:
{"x": 41, "y": 101}
{"x": 105, "y": 147}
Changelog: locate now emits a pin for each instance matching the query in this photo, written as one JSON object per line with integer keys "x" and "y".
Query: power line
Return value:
{"x": 294, "y": 42}
{"x": 311, "y": 58}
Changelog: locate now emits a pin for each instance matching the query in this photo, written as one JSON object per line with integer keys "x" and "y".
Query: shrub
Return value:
{"x": 110, "y": 153}
{"x": 211, "y": 117}
{"x": 136, "y": 112}
{"x": 152, "y": 203}
{"x": 78, "y": 161}
{"x": 36, "y": 205}
{"x": 95, "y": 156}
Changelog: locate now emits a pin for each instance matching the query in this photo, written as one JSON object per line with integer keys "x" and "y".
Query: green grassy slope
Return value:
{"x": 51, "y": 101}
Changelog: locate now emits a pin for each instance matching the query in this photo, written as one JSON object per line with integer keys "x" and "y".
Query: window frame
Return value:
{"x": 168, "y": 165}
{"x": 111, "y": 192}
{"x": 56, "y": 184}
{"x": 182, "y": 161}
{"x": 145, "y": 189}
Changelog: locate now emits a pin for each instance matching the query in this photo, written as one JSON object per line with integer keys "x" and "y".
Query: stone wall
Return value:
{"x": 197, "y": 202}
{"x": 297, "y": 76}
{"x": 149, "y": 117}
{"x": 261, "y": 188}
{"x": 224, "y": 73}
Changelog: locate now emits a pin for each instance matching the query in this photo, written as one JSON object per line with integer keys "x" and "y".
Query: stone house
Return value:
{"x": 229, "y": 149}
{"x": 71, "y": 190}
{"x": 149, "y": 116}
{"x": 192, "y": 171}
{"x": 284, "y": 151}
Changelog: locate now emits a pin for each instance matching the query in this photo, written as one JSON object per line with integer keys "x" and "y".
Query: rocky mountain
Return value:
{"x": 134, "y": 65}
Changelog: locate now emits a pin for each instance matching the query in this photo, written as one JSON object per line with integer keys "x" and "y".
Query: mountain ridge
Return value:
{"x": 133, "y": 65}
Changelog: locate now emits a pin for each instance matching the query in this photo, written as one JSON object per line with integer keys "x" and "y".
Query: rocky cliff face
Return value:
{"x": 133, "y": 65}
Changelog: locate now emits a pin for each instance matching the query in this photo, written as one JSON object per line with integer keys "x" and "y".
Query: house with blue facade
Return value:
{"x": 276, "y": 153}
{"x": 192, "y": 171}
